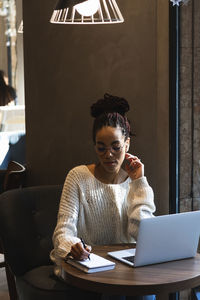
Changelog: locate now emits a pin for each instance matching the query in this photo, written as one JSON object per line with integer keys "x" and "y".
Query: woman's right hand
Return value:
{"x": 79, "y": 252}
{"x": 133, "y": 166}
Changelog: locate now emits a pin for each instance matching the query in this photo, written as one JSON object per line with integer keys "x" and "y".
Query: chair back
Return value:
{"x": 14, "y": 176}
{"x": 28, "y": 217}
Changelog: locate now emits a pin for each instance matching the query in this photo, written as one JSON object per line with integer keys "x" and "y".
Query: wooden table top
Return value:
{"x": 153, "y": 279}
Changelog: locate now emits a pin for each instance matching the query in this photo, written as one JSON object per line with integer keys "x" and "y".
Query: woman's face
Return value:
{"x": 111, "y": 148}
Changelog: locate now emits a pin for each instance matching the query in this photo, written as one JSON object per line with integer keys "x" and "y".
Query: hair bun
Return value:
{"x": 109, "y": 104}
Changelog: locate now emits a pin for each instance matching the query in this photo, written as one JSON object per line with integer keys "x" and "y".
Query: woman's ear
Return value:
{"x": 127, "y": 148}
{"x": 127, "y": 144}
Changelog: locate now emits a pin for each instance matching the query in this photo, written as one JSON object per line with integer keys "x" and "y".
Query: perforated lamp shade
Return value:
{"x": 97, "y": 12}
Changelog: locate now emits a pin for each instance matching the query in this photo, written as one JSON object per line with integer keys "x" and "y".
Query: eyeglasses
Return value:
{"x": 115, "y": 149}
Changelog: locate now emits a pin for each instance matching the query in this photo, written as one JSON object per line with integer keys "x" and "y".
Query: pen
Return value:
{"x": 84, "y": 246}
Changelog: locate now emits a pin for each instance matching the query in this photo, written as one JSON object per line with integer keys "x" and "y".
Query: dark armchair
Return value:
{"x": 27, "y": 219}
{"x": 11, "y": 178}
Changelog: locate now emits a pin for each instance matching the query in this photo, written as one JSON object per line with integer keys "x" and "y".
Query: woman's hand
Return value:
{"x": 79, "y": 252}
{"x": 133, "y": 166}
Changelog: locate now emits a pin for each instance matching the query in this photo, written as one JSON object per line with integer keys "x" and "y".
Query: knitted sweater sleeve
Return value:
{"x": 140, "y": 204}
{"x": 65, "y": 233}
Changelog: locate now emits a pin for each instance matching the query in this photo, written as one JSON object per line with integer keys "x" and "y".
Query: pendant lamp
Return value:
{"x": 86, "y": 12}
{"x": 177, "y": 2}
{"x": 20, "y": 29}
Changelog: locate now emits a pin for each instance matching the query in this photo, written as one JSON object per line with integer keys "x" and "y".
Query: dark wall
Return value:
{"x": 68, "y": 67}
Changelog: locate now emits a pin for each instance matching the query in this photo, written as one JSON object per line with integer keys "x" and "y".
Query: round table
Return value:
{"x": 126, "y": 280}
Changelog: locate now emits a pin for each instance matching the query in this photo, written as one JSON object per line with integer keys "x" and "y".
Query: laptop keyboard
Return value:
{"x": 129, "y": 258}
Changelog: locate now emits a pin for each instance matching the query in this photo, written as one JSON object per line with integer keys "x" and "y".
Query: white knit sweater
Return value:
{"x": 99, "y": 213}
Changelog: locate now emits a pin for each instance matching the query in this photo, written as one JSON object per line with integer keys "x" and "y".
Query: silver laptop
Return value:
{"x": 163, "y": 238}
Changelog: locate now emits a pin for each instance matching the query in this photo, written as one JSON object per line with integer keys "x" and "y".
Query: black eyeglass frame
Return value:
{"x": 111, "y": 149}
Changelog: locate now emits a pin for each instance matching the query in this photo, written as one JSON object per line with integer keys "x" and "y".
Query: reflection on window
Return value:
{"x": 8, "y": 13}
{"x": 12, "y": 116}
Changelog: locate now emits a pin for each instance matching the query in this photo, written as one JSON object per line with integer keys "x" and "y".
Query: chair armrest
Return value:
{"x": 15, "y": 179}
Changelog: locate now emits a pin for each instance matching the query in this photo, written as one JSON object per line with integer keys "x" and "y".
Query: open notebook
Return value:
{"x": 163, "y": 238}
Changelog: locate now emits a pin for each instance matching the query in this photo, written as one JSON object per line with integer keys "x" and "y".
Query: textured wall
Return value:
{"x": 190, "y": 107}
{"x": 20, "y": 56}
{"x": 67, "y": 68}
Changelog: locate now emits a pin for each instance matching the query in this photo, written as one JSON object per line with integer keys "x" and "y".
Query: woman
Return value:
{"x": 7, "y": 92}
{"x": 103, "y": 203}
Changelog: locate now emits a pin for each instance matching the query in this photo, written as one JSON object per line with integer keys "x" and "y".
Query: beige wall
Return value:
{"x": 68, "y": 67}
{"x": 3, "y": 49}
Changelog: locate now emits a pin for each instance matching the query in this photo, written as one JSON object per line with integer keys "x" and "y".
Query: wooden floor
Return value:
{"x": 3, "y": 283}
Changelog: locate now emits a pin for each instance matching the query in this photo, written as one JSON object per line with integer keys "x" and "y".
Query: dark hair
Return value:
{"x": 7, "y": 92}
{"x": 2, "y": 73}
{"x": 110, "y": 111}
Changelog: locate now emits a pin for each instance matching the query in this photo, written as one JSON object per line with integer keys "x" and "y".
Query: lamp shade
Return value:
{"x": 67, "y": 3}
{"x": 20, "y": 29}
{"x": 86, "y": 12}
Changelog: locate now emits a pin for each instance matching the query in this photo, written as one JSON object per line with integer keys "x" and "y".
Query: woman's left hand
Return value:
{"x": 133, "y": 166}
